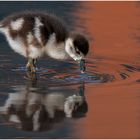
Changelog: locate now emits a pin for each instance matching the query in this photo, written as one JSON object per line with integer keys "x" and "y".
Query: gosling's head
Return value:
{"x": 77, "y": 47}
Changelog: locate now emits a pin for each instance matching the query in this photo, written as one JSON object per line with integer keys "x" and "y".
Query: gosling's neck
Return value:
{"x": 56, "y": 50}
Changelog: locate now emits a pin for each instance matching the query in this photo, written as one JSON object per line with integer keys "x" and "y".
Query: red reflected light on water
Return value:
{"x": 113, "y": 25}
{"x": 114, "y": 109}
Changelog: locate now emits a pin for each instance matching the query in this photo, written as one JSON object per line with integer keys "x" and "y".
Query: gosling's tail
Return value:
{"x": 2, "y": 29}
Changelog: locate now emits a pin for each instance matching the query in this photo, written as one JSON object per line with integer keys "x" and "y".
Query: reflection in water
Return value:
{"x": 113, "y": 73}
{"x": 114, "y": 31}
{"x": 36, "y": 109}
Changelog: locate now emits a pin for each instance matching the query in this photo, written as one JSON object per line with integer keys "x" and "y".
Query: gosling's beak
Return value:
{"x": 82, "y": 65}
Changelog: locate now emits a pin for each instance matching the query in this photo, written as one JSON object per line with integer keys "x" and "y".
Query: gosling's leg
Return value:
{"x": 31, "y": 65}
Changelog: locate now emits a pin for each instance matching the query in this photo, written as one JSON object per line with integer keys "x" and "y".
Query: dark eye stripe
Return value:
{"x": 77, "y": 52}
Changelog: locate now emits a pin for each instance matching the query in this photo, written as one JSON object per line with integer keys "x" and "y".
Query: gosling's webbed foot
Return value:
{"x": 31, "y": 65}
{"x": 31, "y": 69}
{"x": 32, "y": 76}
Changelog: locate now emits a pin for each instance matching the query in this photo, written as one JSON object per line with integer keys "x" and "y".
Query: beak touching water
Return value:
{"x": 82, "y": 65}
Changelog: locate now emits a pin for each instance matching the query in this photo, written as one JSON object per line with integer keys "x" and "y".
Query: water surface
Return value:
{"x": 102, "y": 103}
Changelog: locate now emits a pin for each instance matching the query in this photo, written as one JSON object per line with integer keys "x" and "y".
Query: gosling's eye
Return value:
{"x": 78, "y": 52}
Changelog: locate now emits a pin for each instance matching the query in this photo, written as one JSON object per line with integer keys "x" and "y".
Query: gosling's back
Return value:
{"x": 29, "y": 32}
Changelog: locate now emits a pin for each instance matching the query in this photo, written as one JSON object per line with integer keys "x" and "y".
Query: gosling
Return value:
{"x": 35, "y": 34}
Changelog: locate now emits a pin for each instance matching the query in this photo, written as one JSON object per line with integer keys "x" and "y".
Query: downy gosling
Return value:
{"x": 35, "y": 34}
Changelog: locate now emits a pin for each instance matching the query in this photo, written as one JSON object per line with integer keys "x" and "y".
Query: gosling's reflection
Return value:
{"x": 36, "y": 109}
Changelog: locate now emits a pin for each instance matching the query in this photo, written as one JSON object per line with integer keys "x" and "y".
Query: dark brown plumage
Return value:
{"x": 51, "y": 23}
{"x": 81, "y": 43}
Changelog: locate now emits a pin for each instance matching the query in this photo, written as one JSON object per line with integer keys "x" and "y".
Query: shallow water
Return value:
{"x": 105, "y": 100}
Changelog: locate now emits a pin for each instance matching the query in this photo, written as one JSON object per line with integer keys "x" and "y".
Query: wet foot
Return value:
{"x": 31, "y": 65}
{"x": 31, "y": 76}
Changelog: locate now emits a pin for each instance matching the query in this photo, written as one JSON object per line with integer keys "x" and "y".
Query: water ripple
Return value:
{"x": 98, "y": 71}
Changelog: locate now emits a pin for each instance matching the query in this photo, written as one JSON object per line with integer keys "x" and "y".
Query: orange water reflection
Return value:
{"x": 113, "y": 25}
{"x": 114, "y": 109}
